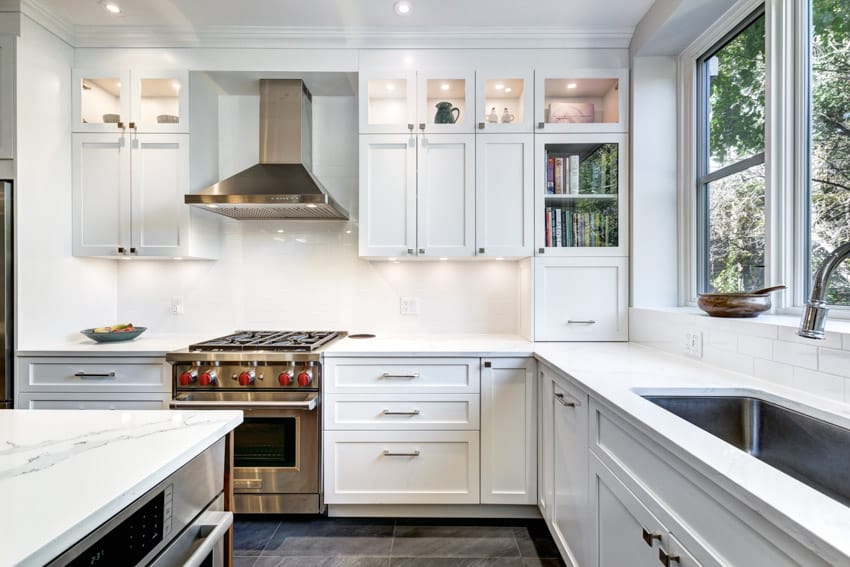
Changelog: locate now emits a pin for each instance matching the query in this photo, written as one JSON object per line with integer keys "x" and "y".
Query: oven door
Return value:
{"x": 276, "y": 448}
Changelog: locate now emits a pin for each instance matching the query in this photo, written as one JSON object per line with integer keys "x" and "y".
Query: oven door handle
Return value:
{"x": 306, "y": 405}
{"x": 211, "y": 527}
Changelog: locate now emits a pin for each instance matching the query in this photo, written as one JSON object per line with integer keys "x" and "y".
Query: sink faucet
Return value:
{"x": 814, "y": 317}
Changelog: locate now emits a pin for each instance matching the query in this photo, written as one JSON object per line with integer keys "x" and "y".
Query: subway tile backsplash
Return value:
{"x": 766, "y": 348}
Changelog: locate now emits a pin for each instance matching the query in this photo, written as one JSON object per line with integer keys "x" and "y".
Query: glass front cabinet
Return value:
{"x": 581, "y": 196}
{"x": 581, "y": 100}
{"x": 504, "y": 101}
{"x": 144, "y": 101}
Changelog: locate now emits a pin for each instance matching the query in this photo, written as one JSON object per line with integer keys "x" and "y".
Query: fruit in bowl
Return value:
{"x": 114, "y": 333}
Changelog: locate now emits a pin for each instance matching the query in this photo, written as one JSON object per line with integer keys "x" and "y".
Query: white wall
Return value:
{"x": 654, "y": 183}
{"x": 767, "y": 348}
{"x": 57, "y": 294}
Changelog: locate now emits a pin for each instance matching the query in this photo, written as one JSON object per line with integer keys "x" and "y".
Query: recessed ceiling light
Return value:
{"x": 444, "y": 86}
{"x": 571, "y": 85}
{"x": 508, "y": 89}
{"x": 111, "y": 7}
{"x": 402, "y": 8}
{"x": 499, "y": 86}
{"x": 391, "y": 87}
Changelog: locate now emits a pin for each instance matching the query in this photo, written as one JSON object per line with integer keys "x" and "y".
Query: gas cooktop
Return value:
{"x": 280, "y": 341}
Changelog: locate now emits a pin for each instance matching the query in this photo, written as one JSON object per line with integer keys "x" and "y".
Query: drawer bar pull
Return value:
{"x": 247, "y": 483}
{"x": 648, "y": 537}
{"x": 402, "y": 376}
{"x": 388, "y": 453}
{"x": 667, "y": 559}
{"x": 571, "y": 403}
{"x": 390, "y": 412}
{"x": 88, "y": 375}
{"x": 587, "y": 322}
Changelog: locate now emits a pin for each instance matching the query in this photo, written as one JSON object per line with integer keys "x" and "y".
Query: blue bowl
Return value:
{"x": 115, "y": 336}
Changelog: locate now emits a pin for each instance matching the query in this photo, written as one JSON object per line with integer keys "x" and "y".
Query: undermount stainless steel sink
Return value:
{"x": 811, "y": 450}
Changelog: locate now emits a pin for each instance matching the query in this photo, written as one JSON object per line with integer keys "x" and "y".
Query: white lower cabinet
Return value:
{"x": 569, "y": 503}
{"x": 401, "y": 467}
{"x": 407, "y": 411}
{"x": 581, "y": 299}
{"x": 545, "y": 445}
{"x": 59, "y": 382}
{"x": 626, "y": 533}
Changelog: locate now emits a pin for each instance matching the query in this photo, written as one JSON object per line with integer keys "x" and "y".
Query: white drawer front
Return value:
{"x": 403, "y": 375}
{"x": 402, "y": 411}
{"x": 87, "y": 375}
{"x": 401, "y": 467}
{"x": 92, "y": 400}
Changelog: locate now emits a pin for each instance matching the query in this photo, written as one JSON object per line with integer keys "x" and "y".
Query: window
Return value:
{"x": 828, "y": 189}
{"x": 730, "y": 153}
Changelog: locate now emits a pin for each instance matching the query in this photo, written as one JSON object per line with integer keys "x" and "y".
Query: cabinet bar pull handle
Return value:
{"x": 648, "y": 537}
{"x": 571, "y": 403}
{"x": 587, "y": 322}
{"x": 667, "y": 558}
{"x": 407, "y": 376}
{"x": 388, "y": 453}
{"x": 390, "y": 412}
{"x": 247, "y": 483}
{"x": 82, "y": 374}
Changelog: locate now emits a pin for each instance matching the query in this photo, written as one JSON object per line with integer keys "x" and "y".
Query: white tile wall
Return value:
{"x": 767, "y": 348}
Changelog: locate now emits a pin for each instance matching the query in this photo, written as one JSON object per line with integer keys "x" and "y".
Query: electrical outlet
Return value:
{"x": 410, "y": 306}
{"x": 693, "y": 343}
{"x": 177, "y": 305}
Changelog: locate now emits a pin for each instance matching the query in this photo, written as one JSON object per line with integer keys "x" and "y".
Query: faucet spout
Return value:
{"x": 814, "y": 317}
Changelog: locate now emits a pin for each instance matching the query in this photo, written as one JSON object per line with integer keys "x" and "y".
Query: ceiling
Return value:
{"x": 577, "y": 14}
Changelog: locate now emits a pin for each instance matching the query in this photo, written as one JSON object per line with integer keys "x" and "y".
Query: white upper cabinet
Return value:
{"x": 581, "y": 100}
{"x": 504, "y": 195}
{"x": 393, "y": 102}
{"x": 388, "y": 195}
{"x": 446, "y": 195}
{"x": 143, "y": 101}
{"x": 504, "y": 101}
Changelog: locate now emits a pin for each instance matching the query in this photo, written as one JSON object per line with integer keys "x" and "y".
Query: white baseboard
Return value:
{"x": 433, "y": 511}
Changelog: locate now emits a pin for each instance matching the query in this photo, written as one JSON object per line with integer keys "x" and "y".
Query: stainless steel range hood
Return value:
{"x": 282, "y": 185}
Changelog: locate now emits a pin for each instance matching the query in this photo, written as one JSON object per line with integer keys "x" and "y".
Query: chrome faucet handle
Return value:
{"x": 814, "y": 317}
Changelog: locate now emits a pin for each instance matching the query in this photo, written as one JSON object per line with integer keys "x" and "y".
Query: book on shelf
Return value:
{"x": 550, "y": 174}
{"x": 559, "y": 175}
{"x": 574, "y": 175}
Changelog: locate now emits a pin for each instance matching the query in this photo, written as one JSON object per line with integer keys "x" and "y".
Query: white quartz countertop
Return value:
{"x": 432, "y": 345}
{"x": 146, "y": 344}
{"x": 615, "y": 372}
{"x": 64, "y": 472}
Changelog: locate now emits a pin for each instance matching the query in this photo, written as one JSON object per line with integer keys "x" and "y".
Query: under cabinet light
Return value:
{"x": 402, "y": 8}
{"x": 499, "y": 86}
{"x": 571, "y": 85}
{"x": 444, "y": 86}
{"x": 391, "y": 87}
{"x": 111, "y": 7}
{"x": 508, "y": 89}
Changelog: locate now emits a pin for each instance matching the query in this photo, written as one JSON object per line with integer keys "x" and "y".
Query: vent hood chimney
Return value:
{"x": 282, "y": 185}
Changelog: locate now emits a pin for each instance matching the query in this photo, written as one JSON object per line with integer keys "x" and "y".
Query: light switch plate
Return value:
{"x": 693, "y": 343}
{"x": 177, "y": 305}
{"x": 410, "y": 305}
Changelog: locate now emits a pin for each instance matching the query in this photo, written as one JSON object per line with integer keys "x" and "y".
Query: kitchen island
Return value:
{"x": 64, "y": 473}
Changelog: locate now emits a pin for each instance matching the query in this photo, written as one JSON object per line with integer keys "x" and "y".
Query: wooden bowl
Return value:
{"x": 734, "y": 304}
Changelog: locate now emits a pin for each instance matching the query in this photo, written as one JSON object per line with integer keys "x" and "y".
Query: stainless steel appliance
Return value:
{"x": 282, "y": 185}
{"x": 180, "y": 521}
{"x": 274, "y": 377}
{"x": 7, "y": 318}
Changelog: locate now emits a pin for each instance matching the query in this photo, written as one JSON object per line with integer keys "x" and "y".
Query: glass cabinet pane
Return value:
{"x": 387, "y": 102}
{"x": 504, "y": 101}
{"x": 581, "y": 201}
{"x": 581, "y": 101}
{"x": 100, "y": 100}
{"x": 446, "y": 101}
{"x": 160, "y": 101}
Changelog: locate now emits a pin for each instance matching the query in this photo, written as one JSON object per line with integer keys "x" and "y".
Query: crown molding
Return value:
{"x": 333, "y": 37}
{"x": 39, "y": 13}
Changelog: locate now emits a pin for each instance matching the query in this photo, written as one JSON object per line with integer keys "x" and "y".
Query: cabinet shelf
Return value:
{"x": 568, "y": 197}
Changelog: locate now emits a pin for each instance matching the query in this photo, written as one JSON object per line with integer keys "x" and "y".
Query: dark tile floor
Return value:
{"x": 293, "y": 541}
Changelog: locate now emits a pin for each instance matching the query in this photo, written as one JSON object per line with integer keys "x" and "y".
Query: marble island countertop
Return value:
{"x": 65, "y": 472}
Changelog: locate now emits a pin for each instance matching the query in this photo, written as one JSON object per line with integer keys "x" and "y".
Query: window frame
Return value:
{"x": 786, "y": 154}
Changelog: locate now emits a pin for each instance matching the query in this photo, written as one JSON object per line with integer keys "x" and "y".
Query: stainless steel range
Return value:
{"x": 275, "y": 377}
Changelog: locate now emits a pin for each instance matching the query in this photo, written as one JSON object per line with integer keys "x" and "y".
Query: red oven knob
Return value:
{"x": 246, "y": 378}
{"x": 304, "y": 379}
{"x": 285, "y": 378}
{"x": 188, "y": 377}
{"x": 207, "y": 378}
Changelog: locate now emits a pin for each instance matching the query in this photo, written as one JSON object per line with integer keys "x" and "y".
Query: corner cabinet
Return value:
{"x": 508, "y": 431}
{"x": 128, "y": 198}
{"x": 417, "y": 195}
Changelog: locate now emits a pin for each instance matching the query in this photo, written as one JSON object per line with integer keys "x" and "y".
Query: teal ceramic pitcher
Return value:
{"x": 446, "y": 113}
